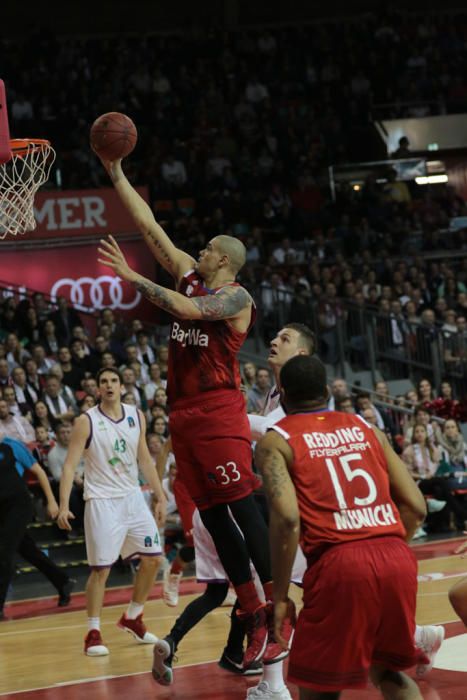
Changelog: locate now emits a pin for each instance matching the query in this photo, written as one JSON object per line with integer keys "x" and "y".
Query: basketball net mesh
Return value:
{"x": 20, "y": 178}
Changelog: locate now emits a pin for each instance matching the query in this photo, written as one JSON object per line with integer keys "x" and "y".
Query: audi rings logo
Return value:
{"x": 103, "y": 292}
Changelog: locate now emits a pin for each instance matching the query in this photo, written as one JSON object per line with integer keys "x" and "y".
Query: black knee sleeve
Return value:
{"x": 186, "y": 553}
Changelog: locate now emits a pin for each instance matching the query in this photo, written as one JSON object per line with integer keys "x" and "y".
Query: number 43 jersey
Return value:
{"x": 111, "y": 454}
{"x": 341, "y": 479}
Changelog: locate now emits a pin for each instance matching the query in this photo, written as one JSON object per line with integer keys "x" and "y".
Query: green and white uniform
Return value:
{"x": 117, "y": 519}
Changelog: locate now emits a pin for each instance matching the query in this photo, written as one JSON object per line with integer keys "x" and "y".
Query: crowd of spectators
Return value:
{"x": 240, "y": 103}
{"x": 47, "y": 378}
{"x": 418, "y": 306}
{"x": 236, "y": 133}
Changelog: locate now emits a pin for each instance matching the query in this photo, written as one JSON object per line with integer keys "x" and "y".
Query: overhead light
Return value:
{"x": 431, "y": 179}
{"x": 357, "y": 188}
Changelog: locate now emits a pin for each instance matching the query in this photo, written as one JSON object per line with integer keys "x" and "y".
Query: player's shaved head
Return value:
{"x": 234, "y": 249}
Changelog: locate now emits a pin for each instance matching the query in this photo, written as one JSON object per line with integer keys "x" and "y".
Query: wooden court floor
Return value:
{"x": 41, "y": 657}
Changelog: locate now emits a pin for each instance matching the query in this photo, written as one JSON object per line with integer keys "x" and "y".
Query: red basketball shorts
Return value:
{"x": 359, "y": 609}
{"x": 212, "y": 445}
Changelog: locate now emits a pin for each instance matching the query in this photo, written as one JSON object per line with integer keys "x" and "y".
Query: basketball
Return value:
{"x": 113, "y": 136}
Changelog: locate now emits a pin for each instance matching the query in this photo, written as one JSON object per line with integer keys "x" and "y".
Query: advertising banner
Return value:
{"x": 74, "y": 273}
{"x": 77, "y": 213}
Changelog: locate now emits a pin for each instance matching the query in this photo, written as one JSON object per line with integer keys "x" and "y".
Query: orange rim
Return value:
{"x": 21, "y": 147}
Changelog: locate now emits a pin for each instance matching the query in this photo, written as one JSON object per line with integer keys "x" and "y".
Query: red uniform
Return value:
{"x": 208, "y": 423}
{"x": 361, "y": 582}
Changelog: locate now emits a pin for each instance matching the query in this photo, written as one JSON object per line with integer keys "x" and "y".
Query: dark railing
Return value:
{"x": 368, "y": 340}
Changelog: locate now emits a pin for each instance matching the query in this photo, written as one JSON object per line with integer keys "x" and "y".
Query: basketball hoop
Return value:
{"x": 20, "y": 178}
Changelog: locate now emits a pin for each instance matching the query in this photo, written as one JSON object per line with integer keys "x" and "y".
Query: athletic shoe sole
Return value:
{"x": 98, "y": 650}
{"x": 161, "y": 673}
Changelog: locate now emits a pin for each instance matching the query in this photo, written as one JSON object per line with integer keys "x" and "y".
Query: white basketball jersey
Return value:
{"x": 272, "y": 401}
{"x": 111, "y": 464}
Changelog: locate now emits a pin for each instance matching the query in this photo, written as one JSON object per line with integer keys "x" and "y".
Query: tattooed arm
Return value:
{"x": 273, "y": 456}
{"x": 228, "y": 303}
{"x": 172, "y": 259}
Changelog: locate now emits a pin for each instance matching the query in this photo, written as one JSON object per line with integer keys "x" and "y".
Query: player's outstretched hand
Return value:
{"x": 112, "y": 256}
{"x": 63, "y": 520}
{"x": 281, "y": 613}
{"x": 113, "y": 167}
{"x": 462, "y": 549}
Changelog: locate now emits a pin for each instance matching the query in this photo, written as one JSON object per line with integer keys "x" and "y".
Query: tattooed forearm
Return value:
{"x": 275, "y": 474}
{"x": 161, "y": 297}
{"x": 225, "y": 304}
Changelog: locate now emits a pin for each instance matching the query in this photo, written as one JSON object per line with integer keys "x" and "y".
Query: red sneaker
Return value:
{"x": 137, "y": 628}
{"x": 256, "y": 633}
{"x": 274, "y": 652}
{"x": 93, "y": 644}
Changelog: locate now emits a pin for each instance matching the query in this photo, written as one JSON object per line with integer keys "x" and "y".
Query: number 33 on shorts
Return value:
{"x": 228, "y": 473}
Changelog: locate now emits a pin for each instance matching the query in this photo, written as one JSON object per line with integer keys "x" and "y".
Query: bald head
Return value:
{"x": 234, "y": 249}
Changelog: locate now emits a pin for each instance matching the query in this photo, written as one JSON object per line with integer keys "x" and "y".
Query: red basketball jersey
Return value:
{"x": 202, "y": 354}
{"x": 341, "y": 478}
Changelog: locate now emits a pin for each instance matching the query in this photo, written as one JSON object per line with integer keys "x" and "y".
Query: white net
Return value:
{"x": 20, "y": 178}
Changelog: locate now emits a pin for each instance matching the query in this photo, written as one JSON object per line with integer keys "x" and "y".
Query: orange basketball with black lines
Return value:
{"x": 113, "y": 136}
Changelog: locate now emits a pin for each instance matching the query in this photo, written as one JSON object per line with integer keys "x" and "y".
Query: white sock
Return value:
{"x": 133, "y": 610}
{"x": 94, "y": 623}
{"x": 273, "y": 674}
{"x": 418, "y": 635}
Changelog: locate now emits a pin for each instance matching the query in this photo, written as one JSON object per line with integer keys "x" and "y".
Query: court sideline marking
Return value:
{"x": 221, "y": 611}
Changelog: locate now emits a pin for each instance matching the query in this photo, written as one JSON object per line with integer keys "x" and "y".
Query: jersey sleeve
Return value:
{"x": 259, "y": 425}
{"x": 22, "y": 455}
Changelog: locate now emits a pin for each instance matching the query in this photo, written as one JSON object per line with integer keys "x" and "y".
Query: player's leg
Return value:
{"x": 57, "y": 577}
{"x": 144, "y": 579}
{"x": 458, "y": 599}
{"x": 272, "y": 684}
{"x": 234, "y": 556}
{"x": 233, "y": 650}
{"x": 95, "y": 589}
{"x": 185, "y": 555}
{"x": 273, "y": 672}
{"x": 255, "y": 531}
{"x": 213, "y": 457}
{"x": 209, "y": 569}
{"x": 195, "y": 611}
{"x": 142, "y": 540}
{"x": 173, "y": 574}
{"x": 394, "y": 648}
{"x": 15, "y": 513}
{"x": 104, "y": 533}
{"x": 394, "y": 685}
